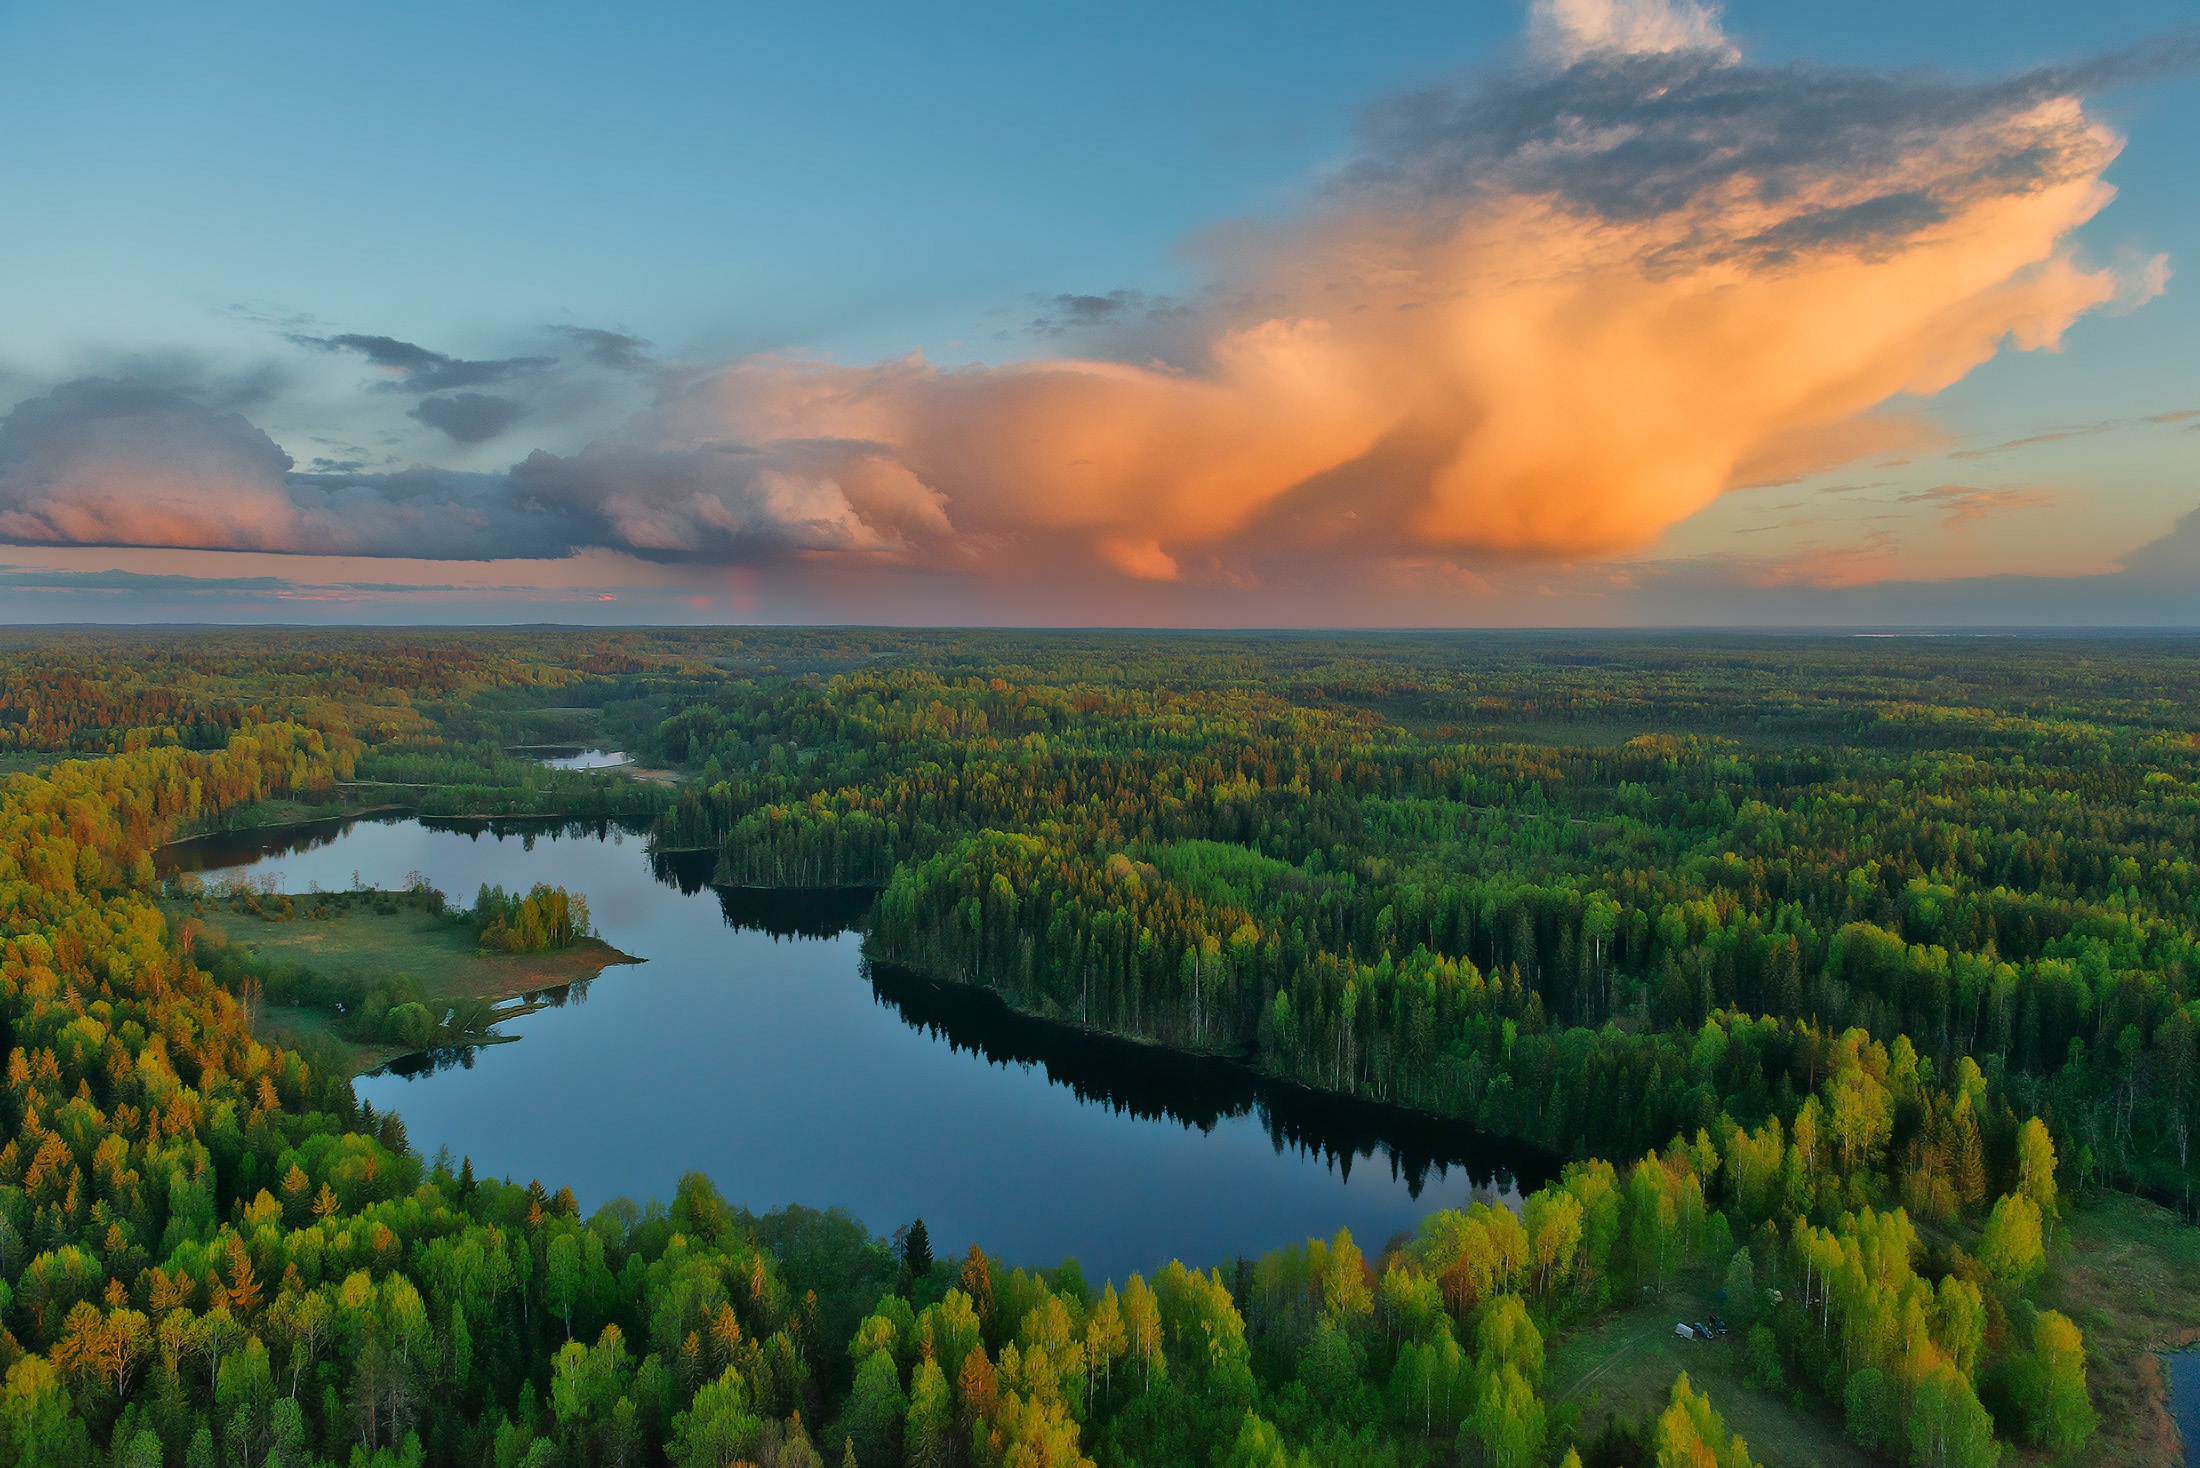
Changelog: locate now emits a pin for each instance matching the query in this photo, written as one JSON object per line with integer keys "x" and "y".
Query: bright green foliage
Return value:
{"x": 876, "y": 1407}
{"x": 1691, "y": 1435}
{"x": 2013, "y": 1248}
{"x": 1947, "y": 1426}
{"x": 1869, "y": 1410}
{"x": 1509, "y": 1419}
{"x": 1258, "y": 1445}
{"x": 2036, "y": 1164}
{"x": 2048, "y": 1384}
{"x": 542, "y": 919}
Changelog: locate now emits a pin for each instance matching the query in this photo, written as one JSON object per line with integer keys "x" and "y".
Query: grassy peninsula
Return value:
{"x": 375, "y": 974}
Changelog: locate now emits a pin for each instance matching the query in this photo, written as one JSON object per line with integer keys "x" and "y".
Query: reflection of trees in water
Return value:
{"x": 817, "y": 912}
{"x": 220, "y": 849}
{"x": 687, "y": 870}
{"x": 528, "y": 829}
{"x": 1157, "y": 1084}
{"x": 421, "y": 1063}
{"x": 783, "y": 912}
{"x": 429, "y": 1062}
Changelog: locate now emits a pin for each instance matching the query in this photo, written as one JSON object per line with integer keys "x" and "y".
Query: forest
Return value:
{"x": 1855, "y": 978}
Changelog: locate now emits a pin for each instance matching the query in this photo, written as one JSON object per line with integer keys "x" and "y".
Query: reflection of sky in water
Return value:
{"x": 771, "y": 1065}
{"x": 588, "y": 759}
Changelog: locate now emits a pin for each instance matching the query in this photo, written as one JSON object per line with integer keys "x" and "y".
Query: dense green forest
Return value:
{"x": 1850, "y": 972}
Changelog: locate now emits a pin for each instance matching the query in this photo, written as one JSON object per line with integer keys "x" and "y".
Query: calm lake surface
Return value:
{"x": 2184, "y": 1399}
{"x": 755, "y": 1046}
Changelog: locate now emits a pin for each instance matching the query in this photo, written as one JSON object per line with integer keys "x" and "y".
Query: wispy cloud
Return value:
{"x": 411, "y": 367}
{"x": 2076, "y": 430}
{"x": 1967, "y": 505}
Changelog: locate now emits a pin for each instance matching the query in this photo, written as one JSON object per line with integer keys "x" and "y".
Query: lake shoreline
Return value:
{"x": 889, "y": 1100}
{"x": 1268, "y": 1088}
{"x": 1241, "y": 1064}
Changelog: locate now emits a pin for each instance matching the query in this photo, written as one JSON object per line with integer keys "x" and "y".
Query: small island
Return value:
{"x": 374, "y": 974}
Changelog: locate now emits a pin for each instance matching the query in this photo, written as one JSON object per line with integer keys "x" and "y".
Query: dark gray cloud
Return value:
{"x": 724, "y": 502}
{"x": 613, "y": 349}
{"x": 93, "y": 420}
{"x": 2174, "y": 559}
{"x": 1069, "y": 312}
{"x": 420, "y": 370}
{"x": 1843, "y": 158}
{"x": 430, "y": 514}
{"x": 42, "y": 578}
{"x": 469, "y": 417}
{"x": 112, "y": 462}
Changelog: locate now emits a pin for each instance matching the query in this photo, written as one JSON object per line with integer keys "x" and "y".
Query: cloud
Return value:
{"x": 2173, "y": 559}
{"x": 2031, "y": 440}
{"x": 1066, "y": 313}
{"x": 103, "y": 461}
{"x": 1544, "y": 316}
{"x": 414, "y": 368}
{"x": 2077, "y": 430}
{"x": 1567, "y": 32}
{"x": 667, "y": 498}
{"x": 106, "y": 462}
{"x": 1966, "y": 505}
{"x": 469, "y": 417}
{"x": 1538, "y": 316}
{"x": 613, "y": 349}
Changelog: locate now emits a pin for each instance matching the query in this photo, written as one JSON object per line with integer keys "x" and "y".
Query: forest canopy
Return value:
{"x": 1845, "y": 979}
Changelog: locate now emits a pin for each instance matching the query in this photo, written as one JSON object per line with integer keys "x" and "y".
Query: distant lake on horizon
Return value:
{"x": 755, "y": 1046}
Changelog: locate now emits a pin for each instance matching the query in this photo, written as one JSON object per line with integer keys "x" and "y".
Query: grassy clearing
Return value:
{"x": 2130, "y": 1278}
{"x": 1623, "y": 1366}
{"x": 371, "y": 935}
{"x": 315, "y": 1030}
{"x": 2127, "y": 1272}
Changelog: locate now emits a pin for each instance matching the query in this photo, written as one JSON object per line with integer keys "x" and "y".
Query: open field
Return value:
{"x": 1623, "y": 1366}
{"x": 2130, "y": 1278}
{"x": 2127, "y": 1272}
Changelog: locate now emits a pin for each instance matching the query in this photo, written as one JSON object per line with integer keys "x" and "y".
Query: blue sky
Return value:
{"x": 201, "y": 186}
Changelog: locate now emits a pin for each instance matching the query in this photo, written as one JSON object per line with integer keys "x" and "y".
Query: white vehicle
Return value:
{"x": 1684, "y": 1331}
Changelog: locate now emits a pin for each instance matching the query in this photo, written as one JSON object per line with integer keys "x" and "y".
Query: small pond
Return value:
{"x": 757, "y": 1046}
{"x": 567, "y": 757}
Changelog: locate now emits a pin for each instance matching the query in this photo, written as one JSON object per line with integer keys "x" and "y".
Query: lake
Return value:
{"x": 757, "y": 1046}
{"x": 2183, "y": 1369}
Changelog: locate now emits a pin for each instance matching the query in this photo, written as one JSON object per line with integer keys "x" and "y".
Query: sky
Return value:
{"x": 1501, "y": 312}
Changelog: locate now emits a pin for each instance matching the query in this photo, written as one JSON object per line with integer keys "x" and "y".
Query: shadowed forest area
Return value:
{"x": 1855, "y": 977}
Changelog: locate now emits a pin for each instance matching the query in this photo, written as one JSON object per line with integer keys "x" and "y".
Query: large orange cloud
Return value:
{"x": 1517, "y": 344}
{"x": 1546, "y": 314}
